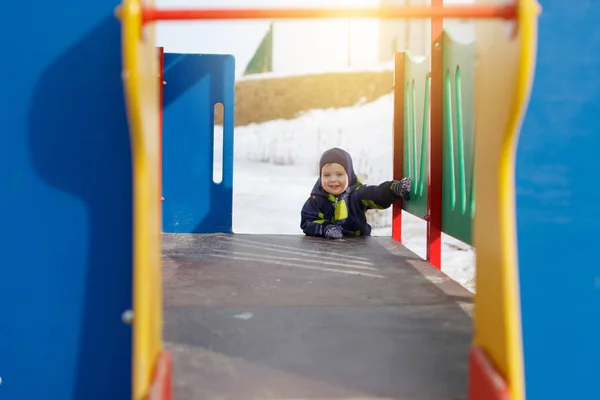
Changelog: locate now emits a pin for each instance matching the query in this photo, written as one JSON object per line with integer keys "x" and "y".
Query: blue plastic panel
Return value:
{"x": 558, "y": 207}
{"x": 194, "y": 203}
{"x": 65, "y": 208}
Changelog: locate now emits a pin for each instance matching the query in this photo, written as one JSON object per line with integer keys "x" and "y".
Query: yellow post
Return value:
{"x": 504, "y": 76}
{"x": 140, "y": 74}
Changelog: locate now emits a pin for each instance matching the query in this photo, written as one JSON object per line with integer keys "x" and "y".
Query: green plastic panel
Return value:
{"x": 416, "y": 132}
{"x": 458, "y": 195}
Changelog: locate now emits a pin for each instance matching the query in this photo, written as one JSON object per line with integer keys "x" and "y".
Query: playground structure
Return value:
{"x": 85, "y": 170}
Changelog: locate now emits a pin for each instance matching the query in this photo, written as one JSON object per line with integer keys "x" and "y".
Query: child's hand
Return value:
{"x": 402, "y": 188}
{"x": 333, "y": 232}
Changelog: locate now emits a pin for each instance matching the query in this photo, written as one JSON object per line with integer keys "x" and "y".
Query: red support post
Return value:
{"x": 437, "y": 10}
{"x": 398, "y": 140}
{"x": 485, "y": 382}
{"x": 434, "y": 193}
{"x": 161, "y": 386}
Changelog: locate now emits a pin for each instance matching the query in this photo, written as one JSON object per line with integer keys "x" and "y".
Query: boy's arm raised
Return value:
{"x": 385, "y": 194}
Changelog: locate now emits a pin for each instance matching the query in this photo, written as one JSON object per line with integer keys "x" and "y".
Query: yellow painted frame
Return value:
{"x": 140, "y": 80}
{"x": 503, "y": 80}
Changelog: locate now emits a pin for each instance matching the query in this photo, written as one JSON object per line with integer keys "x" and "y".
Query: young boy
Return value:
{"x": 338, "y": 201}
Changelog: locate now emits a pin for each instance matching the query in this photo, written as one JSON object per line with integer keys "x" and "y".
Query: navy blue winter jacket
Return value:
{"x": 346, "y": 210}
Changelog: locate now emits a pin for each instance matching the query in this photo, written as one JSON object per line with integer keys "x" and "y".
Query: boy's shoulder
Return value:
{"x": 354, "y": 188}
{"x": 315, "y": 198}
{"x": 316, "y": 202}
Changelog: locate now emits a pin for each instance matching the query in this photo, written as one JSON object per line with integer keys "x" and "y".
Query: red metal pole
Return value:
{"x": 437, "y": 10}
{"x": 485, "y": 382}
{"x": 434, "y": 192}
{"x": 398, "y": 140}
{"x": 161, "y": 386}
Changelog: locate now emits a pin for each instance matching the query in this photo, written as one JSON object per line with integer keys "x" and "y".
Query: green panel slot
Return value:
{"x": 406, "y": 136}
{"x": 461, "y": 141}
{"x": 449, "y": 137}
{"x": 413, "y": 132}
{"x": 416, "y": 119}
{"x": 424, "y": 130}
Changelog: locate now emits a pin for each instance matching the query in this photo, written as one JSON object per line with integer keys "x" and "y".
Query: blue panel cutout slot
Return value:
{"x": 218, "y": 148}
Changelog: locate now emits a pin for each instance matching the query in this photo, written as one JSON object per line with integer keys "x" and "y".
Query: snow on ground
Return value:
{"x": 276, "y": 165}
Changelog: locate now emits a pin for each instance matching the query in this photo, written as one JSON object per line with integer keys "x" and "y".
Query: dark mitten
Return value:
{"x": 333, "y": 232}
{"x": 401, "y": 188}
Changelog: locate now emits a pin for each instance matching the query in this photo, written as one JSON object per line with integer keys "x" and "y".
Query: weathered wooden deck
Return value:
{"x": 293, "y": 317}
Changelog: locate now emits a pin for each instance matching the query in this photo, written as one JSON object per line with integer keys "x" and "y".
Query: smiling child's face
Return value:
{"x": 334, "y": 178}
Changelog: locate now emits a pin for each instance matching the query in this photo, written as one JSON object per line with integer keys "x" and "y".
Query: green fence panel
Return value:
{"x": 416, "y": 131}
{"x": 458, "y": 194}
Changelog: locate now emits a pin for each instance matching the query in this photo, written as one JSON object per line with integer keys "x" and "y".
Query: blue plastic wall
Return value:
{"x": 558, "y": 207}
{"x": 65, "y": 203}
{"x": 193, "y": 202}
